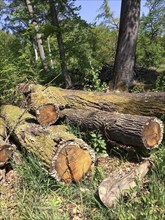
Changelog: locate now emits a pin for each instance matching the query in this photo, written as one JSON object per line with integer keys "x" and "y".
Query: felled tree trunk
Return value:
{"x": 6, "y": 149}
{"x": 66, "y": 157}
{"x": 116, "y": 185}
{"x": 141, "y": 132}
{"x": 147, "y": 104}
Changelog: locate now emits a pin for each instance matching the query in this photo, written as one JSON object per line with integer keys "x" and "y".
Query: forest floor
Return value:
{"x": 28, "y": 192}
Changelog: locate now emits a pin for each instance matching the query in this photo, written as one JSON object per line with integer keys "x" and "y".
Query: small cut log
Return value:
{"x": 46, "y": 114}
{"x": 66, "y": 157}
{"x": 146, "y": 104}
{"x": 45, "y": 108}
{"x": 116, "y": 185}
{"x": 140, "y": 132}
{"x": 6, "y": 150}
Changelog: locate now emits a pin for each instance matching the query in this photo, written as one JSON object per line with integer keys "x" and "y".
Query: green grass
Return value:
{"x": 39, "y": 197}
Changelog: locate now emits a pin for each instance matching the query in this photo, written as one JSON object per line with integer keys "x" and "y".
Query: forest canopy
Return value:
{"x": 44, "y": 42}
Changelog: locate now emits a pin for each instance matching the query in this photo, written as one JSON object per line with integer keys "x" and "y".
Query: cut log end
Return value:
{"x": 153, "y": 133}
{"x": 47, "y": 114}
{"x": 6, "y": 152}
{"x": 71, "y": 163}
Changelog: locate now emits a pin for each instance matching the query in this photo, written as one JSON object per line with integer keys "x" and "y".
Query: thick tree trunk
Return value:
{"x": 147, "y": 104}
{"x": 66, "y": 157}
{"x": 6, "y": 150}
{"x": 141, "y": 132}
{"x": 125, "y": 54}
{"x": 55, "y": 22}
{"x": 38, "y": 34}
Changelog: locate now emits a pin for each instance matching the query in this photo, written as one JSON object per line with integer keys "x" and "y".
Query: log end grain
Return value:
{"x": 71, "y": 162}
{"x": 47, "y": 114}
{"x": 6, "y": 152}
{"x": 153, "y": 133}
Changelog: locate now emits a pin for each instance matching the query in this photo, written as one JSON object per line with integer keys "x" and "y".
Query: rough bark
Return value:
{"x": 66, "y": 157}
{"x": 38, "y": 34}
{"x": 141, "y": 132}
{"x": 115, "y": 186}
{"x": 125, "y": 53}
{"x": 147, "y": 104}
{"x": 55, "y": 22}
{"x": 6, "y": 150}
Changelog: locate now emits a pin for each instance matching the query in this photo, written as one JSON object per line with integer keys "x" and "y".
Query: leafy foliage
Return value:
{"x": 97, "y": 141}
{"x": 16, "y": 65}
{"x": 107, "y": 17}
{"x": 160, "y": 83}
{"x": 150, "y": 50}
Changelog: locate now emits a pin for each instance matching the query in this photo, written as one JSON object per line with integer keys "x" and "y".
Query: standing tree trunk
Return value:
{"x": 55, "y": 22}
{"x": 50, "y": 53}
{"x": 38, "y": 34}
{"x": 125, "y": 54}
{"x": 35, "y": 51}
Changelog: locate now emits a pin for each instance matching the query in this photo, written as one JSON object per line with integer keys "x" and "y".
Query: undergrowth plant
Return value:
{"x": 92, "y": 81}
{"x": 36, "y": 197}
{"x": 160, "y": 83}
{"x": 94, "y": 138}
{"x": 40, "y": 197}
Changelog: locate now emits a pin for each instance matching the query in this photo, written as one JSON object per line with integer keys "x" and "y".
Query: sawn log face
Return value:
{"x": 6, "y": 150}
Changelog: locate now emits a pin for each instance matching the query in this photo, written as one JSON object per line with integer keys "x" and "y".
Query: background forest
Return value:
{"x": 48, "y": 43}
{"x": 35, "y": 45}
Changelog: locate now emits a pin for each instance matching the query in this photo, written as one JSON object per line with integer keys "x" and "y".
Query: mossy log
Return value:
{"x": 146, "y": 104}
{"x": 66, "y": 157}
{"x": 46, "y": 112}
{"x": 6, "y": 150}
{"x": 141, "y": 132}
{"x": 118, "y": 184}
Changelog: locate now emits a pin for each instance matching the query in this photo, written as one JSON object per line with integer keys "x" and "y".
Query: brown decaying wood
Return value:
{"x": 72, "y": 163}
{"x": 6, "y": 149}
{"x": 54, "y": 146}
{"x": 47, "y": 114}
{"x": 141, "y": 132}
{"x": 115, "y": 186}
{"x": 147, "y": 104}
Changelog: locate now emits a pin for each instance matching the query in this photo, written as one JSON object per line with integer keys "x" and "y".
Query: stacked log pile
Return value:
{"x": 66, "y": 157}
{"x": 126, "y": 119}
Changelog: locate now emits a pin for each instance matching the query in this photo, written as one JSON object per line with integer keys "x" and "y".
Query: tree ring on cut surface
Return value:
{"x": 153, "y": 133}
{"x": 71, "y": 162}
{"x": 47, "y": 114}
